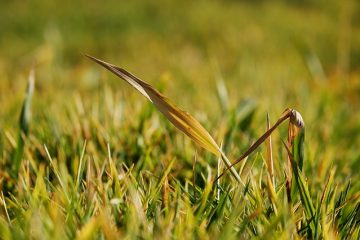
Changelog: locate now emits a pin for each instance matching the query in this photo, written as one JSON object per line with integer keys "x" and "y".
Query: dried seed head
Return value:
{"x": 296, "y": 119}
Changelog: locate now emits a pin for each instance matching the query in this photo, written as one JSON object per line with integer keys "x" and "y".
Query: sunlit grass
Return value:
{"x": 99, "y": 161}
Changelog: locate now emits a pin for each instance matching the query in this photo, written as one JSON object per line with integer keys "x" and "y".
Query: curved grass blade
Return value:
{"x": 178, "y": 117}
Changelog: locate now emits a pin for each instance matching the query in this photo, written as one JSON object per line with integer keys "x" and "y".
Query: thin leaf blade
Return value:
{"x": 178, "y": 117}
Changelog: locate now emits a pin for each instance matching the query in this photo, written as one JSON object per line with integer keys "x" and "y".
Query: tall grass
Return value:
{"x": 140, "y": 186}
{"x": 97, "y": 161}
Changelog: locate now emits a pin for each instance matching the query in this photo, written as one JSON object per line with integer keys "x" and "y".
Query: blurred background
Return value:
{"x": 207, "y": 56}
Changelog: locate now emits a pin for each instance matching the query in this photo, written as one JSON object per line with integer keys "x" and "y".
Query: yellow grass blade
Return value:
{"x": 178, "y": 117}
{"x": 270, "y": 161}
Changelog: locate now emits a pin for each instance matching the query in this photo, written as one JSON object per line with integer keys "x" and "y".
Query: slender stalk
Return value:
{"x": 270, "y": 161}
{"x": 285, "y": 115}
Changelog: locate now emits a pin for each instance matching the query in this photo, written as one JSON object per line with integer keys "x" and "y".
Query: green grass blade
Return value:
{"x": 303, "y": 191}
{"x": 24, "y": 123}
{"x": 81, "y": 167}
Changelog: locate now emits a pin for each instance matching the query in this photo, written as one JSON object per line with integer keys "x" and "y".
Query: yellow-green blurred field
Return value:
{"x": 99, "y": 161}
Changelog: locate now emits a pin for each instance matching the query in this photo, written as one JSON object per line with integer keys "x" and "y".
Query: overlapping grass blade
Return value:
{"x": 178, "y": 117}
{"x": 303, "y": 191}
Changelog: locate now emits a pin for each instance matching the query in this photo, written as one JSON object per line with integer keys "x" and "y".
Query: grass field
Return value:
{"x": 83, "y": 155}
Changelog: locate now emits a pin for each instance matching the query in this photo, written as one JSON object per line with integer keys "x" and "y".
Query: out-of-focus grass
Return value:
{"x": 136, "y": 173}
